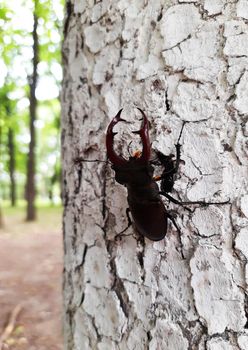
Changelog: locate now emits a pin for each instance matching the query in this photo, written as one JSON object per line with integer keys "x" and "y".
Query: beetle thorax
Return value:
{"x": 134, "y": 173}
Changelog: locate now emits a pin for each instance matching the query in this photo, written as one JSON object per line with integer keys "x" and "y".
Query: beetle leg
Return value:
{"x": 129, "y": 223}
{"x": 202, "y": 203}
{"x": 113, "y": 157}
{"x": 170, "y": 165}
{"x": 144, "y": 134}
{"x": 128, "y": 217}
{"x": 178, "y": 150}
{"x": 175, "y": 201}
{"x": 172, "y": 219}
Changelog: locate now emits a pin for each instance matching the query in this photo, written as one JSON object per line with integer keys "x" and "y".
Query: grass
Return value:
{"x": 49, "y": 219}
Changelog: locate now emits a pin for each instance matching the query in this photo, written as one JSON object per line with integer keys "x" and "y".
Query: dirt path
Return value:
{"x": 31, "y": 275}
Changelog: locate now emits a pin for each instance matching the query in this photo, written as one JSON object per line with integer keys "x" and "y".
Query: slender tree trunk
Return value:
{"x": 11, "y": 146}
{"x": 1, "y": 194}
{"x": 51, "y": 182}
{"x": 30, "y": 186}
{"x": 180, "y": 63}
{"x": 1, "y": 219}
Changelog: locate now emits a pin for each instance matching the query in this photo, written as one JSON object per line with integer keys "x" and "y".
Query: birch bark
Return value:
{"x": 178, "y": 61}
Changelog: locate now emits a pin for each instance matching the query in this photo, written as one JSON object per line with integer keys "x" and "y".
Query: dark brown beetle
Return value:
{"x": 136, "y": 174}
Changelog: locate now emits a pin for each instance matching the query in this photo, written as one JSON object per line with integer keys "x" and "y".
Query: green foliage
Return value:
{"x": 16, "y": 21}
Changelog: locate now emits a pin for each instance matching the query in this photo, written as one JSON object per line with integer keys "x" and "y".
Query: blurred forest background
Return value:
{"x": 31, "y": 73}
{"x": 30, "y": 175}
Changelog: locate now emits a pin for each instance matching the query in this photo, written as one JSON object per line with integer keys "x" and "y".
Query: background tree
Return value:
{"x": 16, "y": 45}
{"x": 178, "y": 62}
{"x": 33, "y": 80}
{"x": 8, "y": 113}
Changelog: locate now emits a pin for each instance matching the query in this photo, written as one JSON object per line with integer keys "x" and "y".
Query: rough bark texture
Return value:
{"x": 178, "y": 61}
{"x": 30, "y": 186}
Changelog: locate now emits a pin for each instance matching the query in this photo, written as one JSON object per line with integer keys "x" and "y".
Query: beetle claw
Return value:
{"x": 144, "y": 134}
{"x": 112, "y": 155}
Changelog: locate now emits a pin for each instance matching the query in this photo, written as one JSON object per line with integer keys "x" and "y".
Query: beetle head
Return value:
{"x": 118, "y": 161}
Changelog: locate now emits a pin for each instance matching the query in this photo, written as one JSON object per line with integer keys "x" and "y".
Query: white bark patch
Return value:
{"x": 234, "y": 27}
{"x": 242, "y": 9}
{"x": 214, "y": 7}
{"x": 151, "y": 266}
{"x": 178, "y": 23}
{"x": 149, "y": 68}
{"x": 155, "y": 88}
{"x": 206, "y": 188}
{"x": 96, "y": 266}
{"x": 201, "y": 148}
{"x": 208, "y": 221}
{"x": 84, "y": 333}
{"x": 240, "y": 148}
{"x": 137, "y": 339}
{"x": 80, "y": 6}
{"x": 218, "y": 300}
{"x": 99, "y": 10}
{"x": 141, "y": 301}
{"x": 95, "y": 37}
{"x": 243, "y": 341}
{"x": 244, "y": 205}
{"x": 106, "y": 344}
{"x": 127, "y": 262}
{"x": 198, "y": 56}
{"x": 236, "y": 45}
{"x": 104, "y": 307}
{"x": 220, "y": 344}
{"x": 241, "y": 241}
{"x": 133, "y": 17}
{"x": 176, "y": 289}
{"x": 103, "y": 69}
{"x": 194, "y": 102}
{"x": 167, "y": 336}
{"x": 237, "y": 66}
{"x": 111, "y": 100}
{"x": 174, "y": 283}
{"x": 90, "y": 236}
{"x": 241, "y": 102}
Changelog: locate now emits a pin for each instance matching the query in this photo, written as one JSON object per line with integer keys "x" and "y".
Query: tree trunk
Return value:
{"x": 11, "y": 146}
{"x": 1, "y": 219}
{"x": 179, "y": 63}
{"x": 1, "y": 193}
{"x": 30, "y": 186}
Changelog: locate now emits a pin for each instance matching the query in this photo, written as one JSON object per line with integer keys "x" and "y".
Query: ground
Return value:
{"x": 31, "y": 281}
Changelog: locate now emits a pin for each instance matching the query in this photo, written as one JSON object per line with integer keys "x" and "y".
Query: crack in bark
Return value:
{"x": 194, "y": 338}
{"x": 167, "y": 103}
{"x": 178, "y": 44}
{"x": 118, "y": 285}
{"x": 104, "y": 189}
{"x": 69, "y": 11}
{"x": 140, "y": 255}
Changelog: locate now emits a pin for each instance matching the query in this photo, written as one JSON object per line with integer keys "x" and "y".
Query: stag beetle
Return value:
{"x": 144, "y": 197}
